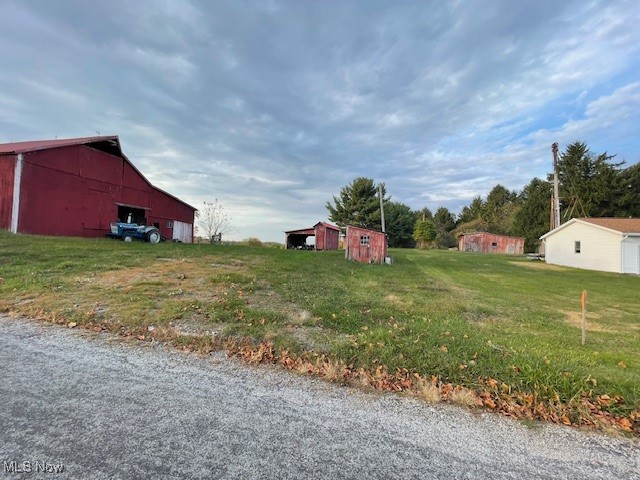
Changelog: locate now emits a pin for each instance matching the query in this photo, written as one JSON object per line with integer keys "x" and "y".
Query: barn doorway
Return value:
{"x": 138, "y": 215}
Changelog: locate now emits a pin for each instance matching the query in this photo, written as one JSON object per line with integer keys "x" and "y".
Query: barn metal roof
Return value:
{"x": 108, "y": 144}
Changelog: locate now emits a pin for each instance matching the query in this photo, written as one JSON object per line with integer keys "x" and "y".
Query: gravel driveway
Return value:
{"x": 102, "y": 408}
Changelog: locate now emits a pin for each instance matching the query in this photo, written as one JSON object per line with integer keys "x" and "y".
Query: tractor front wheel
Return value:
{"x": 127, "y": 238}
{"x": 153, "y": 236}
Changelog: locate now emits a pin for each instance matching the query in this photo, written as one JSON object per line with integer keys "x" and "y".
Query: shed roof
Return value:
{"x": 311, "y": 230}
{"x": 301, "y": 231}
{"x": 327, "y": 225}
{"x": 108, "y": 144}
{"x": 489, "y": 234}
{"x": 622, "y": 225}
{"x": 625, "y": 226}
{"x": 366, "y": 229}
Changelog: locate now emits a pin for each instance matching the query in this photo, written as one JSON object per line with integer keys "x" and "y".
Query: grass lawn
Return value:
{"x": 482, "y": 322}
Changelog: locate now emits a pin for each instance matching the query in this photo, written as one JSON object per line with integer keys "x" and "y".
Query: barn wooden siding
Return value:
{"x": 364, "y": 245}
{"x": 77, "y": 187}
{"x": 484, "y": 242}
{"x": 326, "y": 237}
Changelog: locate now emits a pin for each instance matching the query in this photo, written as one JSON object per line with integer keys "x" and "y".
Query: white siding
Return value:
{"x": 599, "y": 249}
{"x": 631, "y": 255}
{"x": 17, "y": 182}
{"x": 182, "y": 232}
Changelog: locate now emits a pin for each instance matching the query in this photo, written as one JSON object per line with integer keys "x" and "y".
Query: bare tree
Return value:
{"x": 213, "y": 219}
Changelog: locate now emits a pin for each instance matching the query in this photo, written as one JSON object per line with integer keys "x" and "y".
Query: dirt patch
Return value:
{"x": 537, "y": 265}
{"x": 178, "y": 277}
{"x": 266, "y": 299}
{"x": 315, "y": 338}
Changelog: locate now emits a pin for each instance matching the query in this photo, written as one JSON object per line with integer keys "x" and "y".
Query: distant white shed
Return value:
{"x": 605, "y": 244}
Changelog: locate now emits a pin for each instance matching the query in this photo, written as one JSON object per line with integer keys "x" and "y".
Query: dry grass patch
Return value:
{"x": 428, "y": 391}
{"x": 537, "y": 265}
{"x": 398, "y": 302}
{"x": 593, "y": 324}
{"x": 463, "y": 396}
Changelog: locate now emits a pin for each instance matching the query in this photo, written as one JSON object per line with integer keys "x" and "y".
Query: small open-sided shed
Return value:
{"x": 485, "y": 242}
{"x": 365, "y": 245}
{"x": 326, "y": 237}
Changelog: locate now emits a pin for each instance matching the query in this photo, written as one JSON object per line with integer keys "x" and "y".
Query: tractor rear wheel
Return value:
{"x": 153, "y": 236}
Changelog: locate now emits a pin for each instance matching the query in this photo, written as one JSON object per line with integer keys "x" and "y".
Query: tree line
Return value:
{"x": 590, "y": 185}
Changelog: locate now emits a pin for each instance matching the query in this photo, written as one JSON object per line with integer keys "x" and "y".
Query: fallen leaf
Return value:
{"x": 492, "y": 383}
{"x": 625, "y": 424}
{"x": 72, "y": 324}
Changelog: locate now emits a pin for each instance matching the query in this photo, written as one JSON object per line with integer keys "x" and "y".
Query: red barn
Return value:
{"x": 485, "y": 242}
{"x": 326, "y": 236}
{"x": 364, "y": 245}
{"x": 78, "y": 186}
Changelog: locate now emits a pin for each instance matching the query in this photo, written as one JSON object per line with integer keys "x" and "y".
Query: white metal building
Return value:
{"x": 605, "y": 244}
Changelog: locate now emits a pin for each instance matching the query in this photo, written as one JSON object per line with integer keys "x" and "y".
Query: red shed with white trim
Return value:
{"x": 365, "y": 245}
{"x": 78, "y": 186}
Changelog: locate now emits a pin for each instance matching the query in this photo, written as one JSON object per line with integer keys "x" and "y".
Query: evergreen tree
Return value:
{"x": 400, "y": 222}
{"x": 533, "y": 218}
{"x": 423, "y": 214}
{"x": 589, "y": 185}
{"x": 471, "y": 212}
{"x": 499, "y": 210}
{"x": 445, "y": 223}
{"x": 629, "y": 195}
{"x": 357, "y": 204}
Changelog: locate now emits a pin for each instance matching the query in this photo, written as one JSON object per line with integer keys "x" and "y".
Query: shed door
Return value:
{"x": 182, "y": 232}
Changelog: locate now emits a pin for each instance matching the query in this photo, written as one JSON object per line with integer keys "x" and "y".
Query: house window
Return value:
{"x": 364, "y": 239}
{"x": 576, "y": 247}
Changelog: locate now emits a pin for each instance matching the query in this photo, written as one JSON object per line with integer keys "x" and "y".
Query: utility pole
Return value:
{"x": 381, "y": 206}
{"x": 556, "y": 194}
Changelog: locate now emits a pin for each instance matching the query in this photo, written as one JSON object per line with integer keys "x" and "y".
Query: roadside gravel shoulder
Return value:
{"x": 108, "y": 408}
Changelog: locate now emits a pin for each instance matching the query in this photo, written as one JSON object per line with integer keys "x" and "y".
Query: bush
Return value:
{"x": 253, "y": 242}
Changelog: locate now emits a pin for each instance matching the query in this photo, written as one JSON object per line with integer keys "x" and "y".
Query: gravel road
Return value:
{"x": 102, "y": 408}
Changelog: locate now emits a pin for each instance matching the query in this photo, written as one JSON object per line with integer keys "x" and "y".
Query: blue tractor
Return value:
{"x": 128, "y": 231}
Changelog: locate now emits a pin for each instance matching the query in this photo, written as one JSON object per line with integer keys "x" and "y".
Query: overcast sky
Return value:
{"x": 273, "y": 106}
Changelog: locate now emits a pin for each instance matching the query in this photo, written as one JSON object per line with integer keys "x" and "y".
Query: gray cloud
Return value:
{"x": 272, "y": 107}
